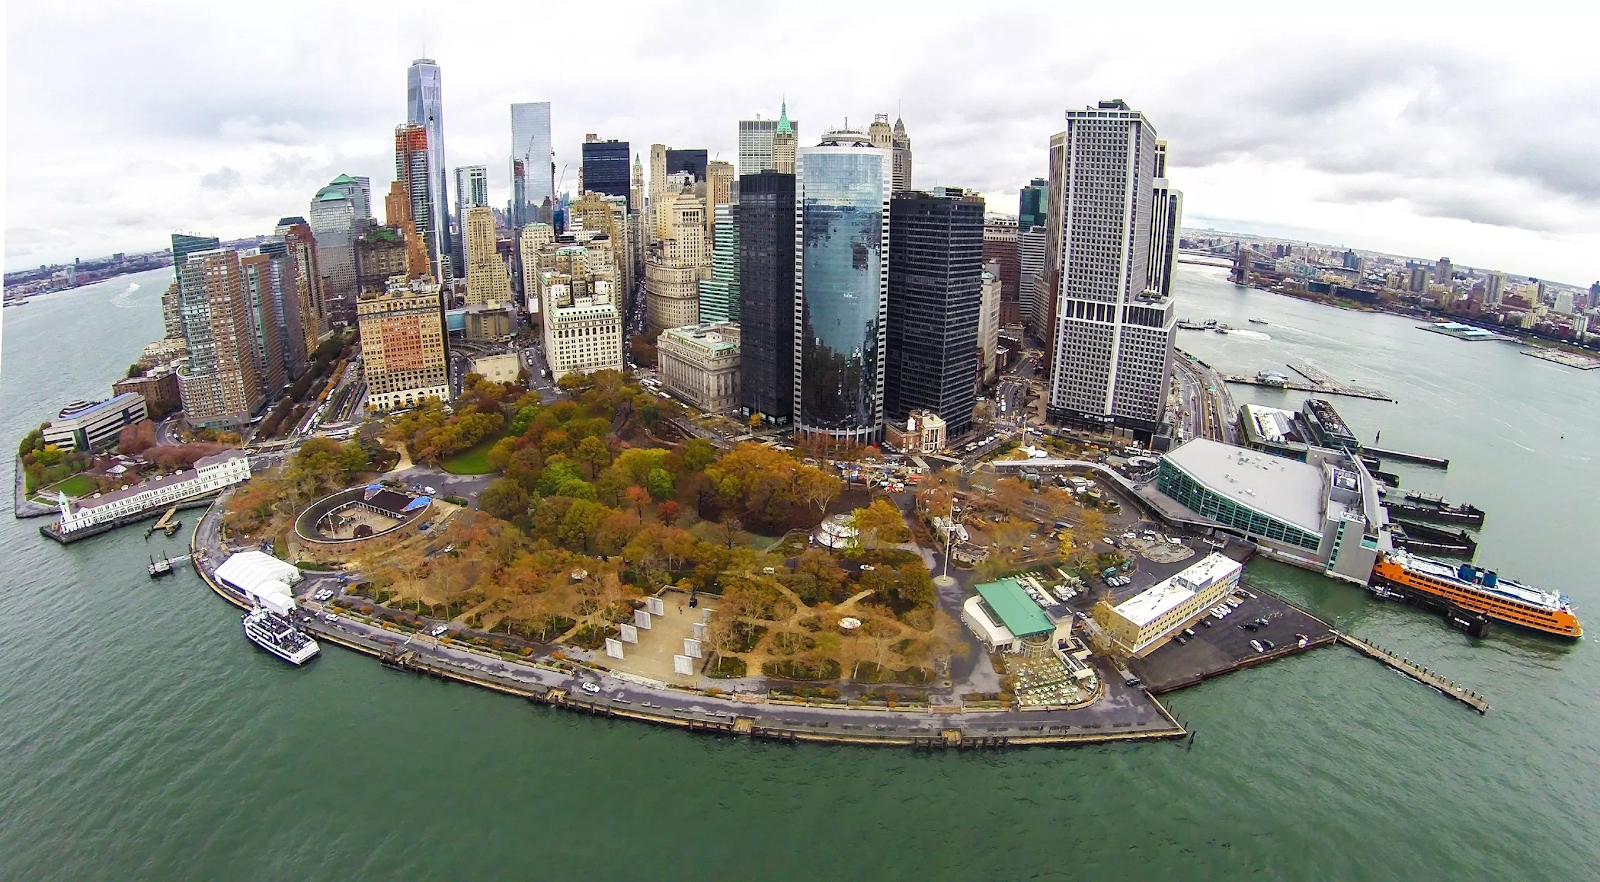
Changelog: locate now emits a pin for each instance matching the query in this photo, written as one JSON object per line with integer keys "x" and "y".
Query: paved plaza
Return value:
{"x": 652, "y": 656}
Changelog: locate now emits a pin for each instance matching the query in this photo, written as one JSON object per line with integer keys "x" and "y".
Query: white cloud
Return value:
{"x": 1375, "y": 125}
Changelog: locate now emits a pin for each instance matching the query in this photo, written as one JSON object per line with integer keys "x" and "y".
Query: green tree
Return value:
{"x": 914, "y": 584}
{"x": 505, "y": 499}
{"x": 135, "y": 370}
{"x": 352, "y": 458}
{"x": 697, "y": 454}
{"x": 661, "y": 484}
{"x": 557, "y": 473}
{"x": 594, "y": 452}
{"x": 579, "y": 524}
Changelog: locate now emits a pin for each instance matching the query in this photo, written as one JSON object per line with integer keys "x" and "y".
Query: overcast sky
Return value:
{"x": 1413, "y": 132}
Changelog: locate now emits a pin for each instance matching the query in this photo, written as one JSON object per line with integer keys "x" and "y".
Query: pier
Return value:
{"x": 168, "y": 523}
{"x": 1401, "y": 456}
{"x": 1320, "y": 383}
{"x": 1416, "y": 672}
{"x": 163, "y": 567}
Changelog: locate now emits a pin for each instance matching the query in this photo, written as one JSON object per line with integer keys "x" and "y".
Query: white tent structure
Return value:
{"x": 261, "y": 577}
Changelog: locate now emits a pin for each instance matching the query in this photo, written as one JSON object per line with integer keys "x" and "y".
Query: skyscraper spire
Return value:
{"x": 783, "y": 118}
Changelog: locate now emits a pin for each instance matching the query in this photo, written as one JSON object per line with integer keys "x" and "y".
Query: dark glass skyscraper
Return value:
{"x": 766, "y": 296}
{"x": 606, "y": 168}
{"x": 842, "y": 191}
{"x": 691, "y": 161}
{"x": 935, "y": 286}
{"x": 1032, "y": 202}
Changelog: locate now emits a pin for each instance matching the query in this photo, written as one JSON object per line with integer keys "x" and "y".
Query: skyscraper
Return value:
{"x": 674, "y": 263}
{"x": 766, "y": 221}
{"x": 1031, "y": 204}
{"x": 756, "y": 140}
{"x": 219, "y": 384}
{"x": 902, "y": 156}
{"x": 784, "y": 139}
{"x": 284, "y": 287}
{"x": 472, "y": 189}
{"x": 403, "y": 355}
{"x": 533, "y": 180}
{"x": 719, "y": 295}
{"x": 1112, "y": 340}
{"x": 605, "y": 168}
{"x": 487, "y": 280}
{"x": 935, "y": 278}
{"x": 1000, "y": 246}
{"x": 1166, "y": 216}
{"x": 259, "y": 282}
{"x": 413, "y": 172}
{"x": 1031, "y": 302}
{"x": 334, "y": 222}
{"x": 719, "y": 191}
{"x": 425, "y": 107}
{"x": 691, "y": 161}
{"x": 842, "y": 188}
{"x": 302, "y": 247}
{"x": 1494, "y": 288}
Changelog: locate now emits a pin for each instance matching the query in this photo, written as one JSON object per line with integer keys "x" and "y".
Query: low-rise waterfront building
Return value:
{"x": 209, "y": 475}
{"x": 402, "y": 345}
{"x": 700, "y": 364}
{"x": 1323, "y": 514}
{"x": 1006, "y": 619}
{"x": 1144, "y": 622}
{"x": 164, "y": 351}
{"x": 95, "y": 425}
{"x": 158, "y": 386}
{"x": 921, "y": 432}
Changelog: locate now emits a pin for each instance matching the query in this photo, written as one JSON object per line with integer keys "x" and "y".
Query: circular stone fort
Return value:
{"x": 360, "y": 513}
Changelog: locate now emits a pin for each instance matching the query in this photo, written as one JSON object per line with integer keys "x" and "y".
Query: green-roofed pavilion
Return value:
{"x": 1017, "y": 611}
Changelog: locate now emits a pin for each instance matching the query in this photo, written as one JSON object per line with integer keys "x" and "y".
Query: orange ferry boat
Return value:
{"x": 1480, "y": 591}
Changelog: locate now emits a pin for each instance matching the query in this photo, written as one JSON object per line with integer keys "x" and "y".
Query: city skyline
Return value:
{"x": 1379, "y": 149}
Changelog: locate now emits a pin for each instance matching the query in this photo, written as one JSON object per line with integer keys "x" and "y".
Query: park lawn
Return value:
{"x": 75, "y": 486}
{"x": 472, "y": 461}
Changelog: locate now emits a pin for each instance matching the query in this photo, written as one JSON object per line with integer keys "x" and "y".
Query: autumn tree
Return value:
{"x": 594, "y": 452}
{"x": 505, "y": 499}
{"x": 878, "y": 524}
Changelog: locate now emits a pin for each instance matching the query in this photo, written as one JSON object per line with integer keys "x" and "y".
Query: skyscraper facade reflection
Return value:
{"x": 842, "y": 189}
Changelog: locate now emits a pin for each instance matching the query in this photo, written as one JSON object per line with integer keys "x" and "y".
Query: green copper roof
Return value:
{"x": 342, "y": 179}
{"x": 1017, "y": 611}
{"x": 783, "y": 119}
{"x": 328, "y": 194}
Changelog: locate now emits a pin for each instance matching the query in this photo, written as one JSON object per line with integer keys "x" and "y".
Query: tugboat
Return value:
{"x": 273, "y": 632}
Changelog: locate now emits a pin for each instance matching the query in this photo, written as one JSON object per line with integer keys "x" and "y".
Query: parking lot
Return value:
{"x": 1224, "y": 645}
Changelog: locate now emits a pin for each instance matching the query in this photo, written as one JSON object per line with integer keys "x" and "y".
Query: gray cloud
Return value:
{"x": 222, "y": 179}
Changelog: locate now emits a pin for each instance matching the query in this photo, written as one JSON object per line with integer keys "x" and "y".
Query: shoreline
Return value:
{"x": 742, "y": 716}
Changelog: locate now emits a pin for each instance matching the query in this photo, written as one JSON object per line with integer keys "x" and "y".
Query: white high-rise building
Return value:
{"x": 582, "y": 333}
{"x": 1112, "y": 340}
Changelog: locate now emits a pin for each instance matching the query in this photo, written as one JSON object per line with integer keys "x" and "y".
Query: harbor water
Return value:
{"x": 142, "y": 737}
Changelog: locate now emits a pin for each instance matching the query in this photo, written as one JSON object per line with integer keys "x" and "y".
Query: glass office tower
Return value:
{"x": 842, "y": 191}
{"x": 425, "y": 107}
{"x": 533, "y": 182}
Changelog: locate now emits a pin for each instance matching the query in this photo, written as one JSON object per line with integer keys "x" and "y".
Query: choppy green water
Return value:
{"x": 141, "y": 737}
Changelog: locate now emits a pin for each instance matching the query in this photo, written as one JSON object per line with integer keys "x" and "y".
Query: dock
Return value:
{"x": 163, "y": 567}
{"x": 1426, "y": 539}
{"x": 1416, "y": 672}
{"x": 1437, "y": 462}
{"x": 1320, "y": 383}
{"x": 168, "y": 523}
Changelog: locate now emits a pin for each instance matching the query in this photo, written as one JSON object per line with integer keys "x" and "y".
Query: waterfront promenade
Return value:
{"x": 1120, "y": 713}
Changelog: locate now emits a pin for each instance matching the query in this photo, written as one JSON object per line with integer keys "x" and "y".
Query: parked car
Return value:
{"x": 1256, "y": 645}
{"x": 591, "y": 688}
{"x": 438, "y": 630}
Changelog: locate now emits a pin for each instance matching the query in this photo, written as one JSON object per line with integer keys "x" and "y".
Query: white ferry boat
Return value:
{"x": 277, "y": 635}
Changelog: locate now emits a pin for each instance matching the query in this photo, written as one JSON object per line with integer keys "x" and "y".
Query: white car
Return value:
{"x": 437, "y": 631}
{"x": 330, "y": 618}
{"x": 591, "y": 688}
